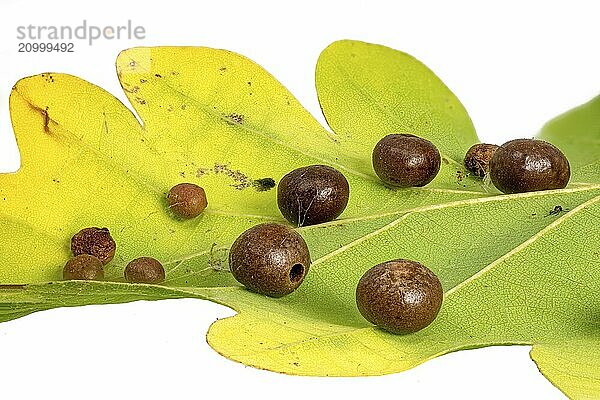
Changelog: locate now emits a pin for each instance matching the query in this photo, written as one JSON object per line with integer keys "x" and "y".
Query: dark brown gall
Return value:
{"x": 527, "y": 165}
{"x": 400, "y": 296}
{"x": 144, "y": 270}
{"x": 83, "y": 267}
{"x": 96, "y": 242}
{"x": 312, "y": 195}
{"x": 477, "y": 159}
{"x": 187, "y": 200}
{"x": 270, "y": 259}
{"x": 404, "y": 160}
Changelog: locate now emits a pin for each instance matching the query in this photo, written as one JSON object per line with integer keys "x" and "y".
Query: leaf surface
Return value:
{"x": 577, "y": 134}
{"x": 367, "y": 91}
{"x": 515, "y": 269}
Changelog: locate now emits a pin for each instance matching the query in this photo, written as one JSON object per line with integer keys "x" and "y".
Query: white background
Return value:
{"x": 513, "y": 64}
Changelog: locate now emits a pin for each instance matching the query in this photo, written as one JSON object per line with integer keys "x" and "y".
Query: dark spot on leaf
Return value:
{"x": 134, "y": 89}
{"x": 445, "y": 160}
{"x": 158, "y": 75}
{"x": 200, "y": 172}
{"x": 263, "y": 184}
{"x": 143, "y": 81}
{"x": 46, "y": 120}
{"x": 183, "y": 106}
{"x": 556, "y": 210}
{"x": 49, "y": 78}
{"x": 45, "y": 115}
{"x": 234, "y": 119}
{"x": 140, "y": 100}
{"x": 242, "y": 181}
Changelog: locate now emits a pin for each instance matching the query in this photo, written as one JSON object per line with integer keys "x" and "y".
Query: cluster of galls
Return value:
{"x": 93, "y": 248}
{"x": 400, "y": 296}
{"x": 273, "y": 259}
{"x": 520, "y": 165}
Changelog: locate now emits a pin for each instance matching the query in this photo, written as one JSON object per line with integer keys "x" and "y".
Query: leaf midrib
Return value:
{"x": 403, "y": 214}
{"x": 152, "y": 188}
{"x": 406, "y": 213}
{"x": 395, "y": 222}
{"x": 205, "y": 291}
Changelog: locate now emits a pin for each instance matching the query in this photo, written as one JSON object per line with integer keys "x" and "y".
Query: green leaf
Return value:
{"x": 571, "y": 365}
{"x": 577, "y": 133}
{"x": 367, "y": 91}
{"x": 515, "y": 269}
{"x": 210, "y": 117}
